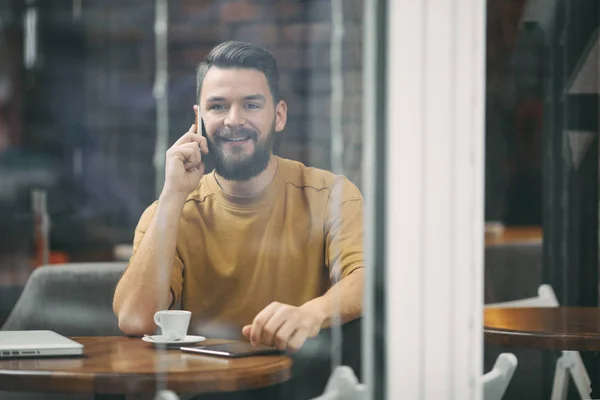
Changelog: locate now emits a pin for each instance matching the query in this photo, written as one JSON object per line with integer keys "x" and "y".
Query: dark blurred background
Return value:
{"x": 81, "y": 122}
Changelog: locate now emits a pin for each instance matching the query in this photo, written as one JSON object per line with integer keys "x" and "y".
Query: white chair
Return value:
{"x": 496, "y": 381}
{"x": 343, "y": 385}
{"x": 570, "y": 362}
{"x": 166, "y": 395}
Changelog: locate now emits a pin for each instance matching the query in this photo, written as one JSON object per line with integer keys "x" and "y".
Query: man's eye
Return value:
{"x": 217, "y": 107}
{"x": 252, "y": 106}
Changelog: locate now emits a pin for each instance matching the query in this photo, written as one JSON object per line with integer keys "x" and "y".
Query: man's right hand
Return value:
{"x": 184, "y": 166}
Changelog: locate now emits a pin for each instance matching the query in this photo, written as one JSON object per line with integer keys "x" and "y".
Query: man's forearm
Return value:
{"x": 145, "y": 285}
{"x": 344, "y": 299}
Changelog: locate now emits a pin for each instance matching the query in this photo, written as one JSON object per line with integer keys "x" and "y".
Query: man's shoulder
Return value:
{"x": 197, "y": 195}
{"x": 312, "y": 179}
{"x": 202, "y": 191}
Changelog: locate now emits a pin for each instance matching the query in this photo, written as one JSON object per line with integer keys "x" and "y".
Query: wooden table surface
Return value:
{"x": 511, "y": 235}
{"x": 558, "y": 328}
{"x": 120, "y": 365}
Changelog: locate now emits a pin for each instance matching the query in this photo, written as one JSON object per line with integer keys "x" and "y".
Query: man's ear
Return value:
{"x": 280, "y": 115}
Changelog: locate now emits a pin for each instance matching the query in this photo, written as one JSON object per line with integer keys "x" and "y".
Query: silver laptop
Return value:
{"x": 37, "y": 344}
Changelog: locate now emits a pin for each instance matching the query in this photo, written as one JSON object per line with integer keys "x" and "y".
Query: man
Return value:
{"x": 263, "y": 246}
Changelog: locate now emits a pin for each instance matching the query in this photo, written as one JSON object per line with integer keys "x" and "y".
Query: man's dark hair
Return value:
{"x": 235, "y": 54}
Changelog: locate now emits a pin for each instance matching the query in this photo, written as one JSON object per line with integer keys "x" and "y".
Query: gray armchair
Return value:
{"x": 71, "y": 299}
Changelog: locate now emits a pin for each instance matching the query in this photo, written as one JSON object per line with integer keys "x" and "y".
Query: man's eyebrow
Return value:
{"x": 256, "y": 97}
{"x": 215, "y": 98}
{"x": 251, "y": 97}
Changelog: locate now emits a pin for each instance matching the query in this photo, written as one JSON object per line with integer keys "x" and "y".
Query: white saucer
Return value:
{"x": 159, "y": 341}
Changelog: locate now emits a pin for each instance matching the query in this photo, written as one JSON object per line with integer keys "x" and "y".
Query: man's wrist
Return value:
{"x": 318, "y": 307}
{"x": 168, "y": 211}
{"x": 171, "y": 200}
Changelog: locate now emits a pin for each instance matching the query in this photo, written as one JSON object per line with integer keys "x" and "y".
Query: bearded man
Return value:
{"x": 262, "y": 248}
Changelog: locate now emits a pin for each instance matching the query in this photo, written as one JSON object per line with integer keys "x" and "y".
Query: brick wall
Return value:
{"x": 120, "y": 110}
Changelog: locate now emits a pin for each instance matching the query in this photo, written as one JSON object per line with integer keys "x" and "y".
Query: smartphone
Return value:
{"x": 206, "y": 158}
{"x": 232, "y": 350}
{"x": 200, "y": 121}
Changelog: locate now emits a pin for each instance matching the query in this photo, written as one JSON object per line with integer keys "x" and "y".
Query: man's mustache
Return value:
{"x": 229, "y": 133}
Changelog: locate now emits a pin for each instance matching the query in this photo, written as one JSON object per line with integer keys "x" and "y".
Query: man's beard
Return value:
{"x": 236, "y": 166}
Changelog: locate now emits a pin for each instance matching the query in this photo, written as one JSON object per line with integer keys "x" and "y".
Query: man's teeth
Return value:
{"x": 240, "y": 139}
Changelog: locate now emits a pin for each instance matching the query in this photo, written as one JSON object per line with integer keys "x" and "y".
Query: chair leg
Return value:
{"x": 582, "y": 386}
{"x": 561, "y": 380}
{"x": 576, "y": 368}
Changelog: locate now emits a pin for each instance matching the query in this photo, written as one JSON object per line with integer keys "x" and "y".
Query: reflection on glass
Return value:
{"x": 230, "y": 189}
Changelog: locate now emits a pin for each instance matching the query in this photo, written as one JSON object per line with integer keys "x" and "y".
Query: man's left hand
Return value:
{"x": 283, "y": 326}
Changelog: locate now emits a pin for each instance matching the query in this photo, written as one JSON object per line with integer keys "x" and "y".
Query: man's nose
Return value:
{"x": 235, "y": 117}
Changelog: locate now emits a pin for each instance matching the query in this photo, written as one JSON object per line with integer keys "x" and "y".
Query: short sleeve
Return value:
{"x": 344, "y": 230}
{"x": 177, "y": 273}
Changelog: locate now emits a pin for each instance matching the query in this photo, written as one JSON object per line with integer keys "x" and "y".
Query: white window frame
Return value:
{"x": 424, "y": 193}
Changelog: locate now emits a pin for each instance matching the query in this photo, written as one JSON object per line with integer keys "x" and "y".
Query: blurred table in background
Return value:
{"x": 513, "y": 235}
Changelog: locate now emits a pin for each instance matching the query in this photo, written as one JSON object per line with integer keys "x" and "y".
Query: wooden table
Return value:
{"x": 559, "y": 328}
{"x": 120, "y": 365}
{"x": 519, "y": 234}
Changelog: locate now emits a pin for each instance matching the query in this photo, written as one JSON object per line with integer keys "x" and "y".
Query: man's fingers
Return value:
{"x": 284, "y": 334}
{"x": 260, "y": 321}
{"x": 201, "y": 139}
{"x": 246, "y": 330}
{"x": 189, "y": 155}
{"x": 189, "y": 136}
{"x": 194, "y": 158}
{"x": 203, "y": 144}
{"x": 190, "y": 145}
{"x": 273, "y": 325}
{"x": 296, "y": 341}
{"x": 186, "y": 137}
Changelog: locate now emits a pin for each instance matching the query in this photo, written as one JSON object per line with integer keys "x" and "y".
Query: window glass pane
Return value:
{"x": 541, "y": 204}
{"x": 199, "y": 159}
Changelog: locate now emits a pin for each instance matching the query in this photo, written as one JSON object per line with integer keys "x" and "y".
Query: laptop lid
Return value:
{"x": 37, "y": 343}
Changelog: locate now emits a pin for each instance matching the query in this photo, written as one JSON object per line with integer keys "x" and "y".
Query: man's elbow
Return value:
{"x": 135, "y": 324}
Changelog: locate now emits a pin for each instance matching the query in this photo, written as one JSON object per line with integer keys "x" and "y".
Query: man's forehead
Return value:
{"x": 234, "y": 82}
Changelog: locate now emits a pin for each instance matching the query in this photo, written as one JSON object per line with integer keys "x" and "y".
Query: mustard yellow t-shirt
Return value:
{"x": 288, "y": 244}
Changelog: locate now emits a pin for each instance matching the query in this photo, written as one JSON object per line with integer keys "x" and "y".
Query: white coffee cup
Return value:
{"x": 173, "y": 323}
